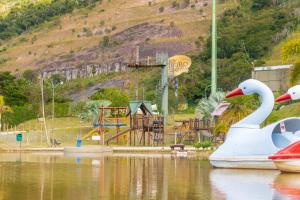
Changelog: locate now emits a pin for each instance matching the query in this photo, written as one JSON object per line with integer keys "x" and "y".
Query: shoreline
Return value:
{"x": 114, "y": 149}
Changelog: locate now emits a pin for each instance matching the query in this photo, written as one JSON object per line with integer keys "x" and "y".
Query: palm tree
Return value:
{"x": 239, "y": 108}
{"x": 91, "y": 110}
{"x": 207, "y": 105}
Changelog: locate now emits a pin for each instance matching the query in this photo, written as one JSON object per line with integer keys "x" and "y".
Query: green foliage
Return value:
{"x": 207, "y": 105}
{"x": 105, "y": 42}
{"x": 175, "y": 4}
{"x": 204, "y": 144}
{"x": 13, "y": 90}
{"x": 295, "y": 74}
{"x": 57, "y": 79}
{"x": 21, "y": 114}
{"x": 114, "y": 95}
{"x": 260, "y": 4}
{"x": 290, "y": 109}
{"x": 291, "y": 50}
{"x": 194, "y": 84}
{"x": 90, "y": 111}
{"x": 241, "y": 42}
{"x": 239, "y": 108}
{"x": 30, "y": 75}
{"x": 161, "y": 9}
{"x": 21, "y": 19}
{"x": 3, "y": 108}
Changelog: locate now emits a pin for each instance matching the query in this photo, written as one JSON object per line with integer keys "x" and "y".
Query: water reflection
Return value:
{"x": 254, "y": 184}
{"x": 243, "y": 184}
{"x": 287, "y": 186}
{"x": 116, "y": 176}
{"x": 136, "y": 176}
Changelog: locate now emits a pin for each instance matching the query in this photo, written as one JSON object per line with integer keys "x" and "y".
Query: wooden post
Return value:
{"x": 148, "y": 131}
{"x": 143, "y": 131}
{"x": 135, "y": 128}
{"x": 163, "y": 131}
{"x": 131, "y": 127}
{"x": 118, "y": 127}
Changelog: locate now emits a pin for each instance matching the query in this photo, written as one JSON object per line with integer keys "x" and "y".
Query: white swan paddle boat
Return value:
{"x": 288, "y": 159}
{"x": 249, "y": 146}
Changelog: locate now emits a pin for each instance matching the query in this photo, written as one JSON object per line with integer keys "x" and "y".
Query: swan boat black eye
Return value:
{"x": 244, "y": 88}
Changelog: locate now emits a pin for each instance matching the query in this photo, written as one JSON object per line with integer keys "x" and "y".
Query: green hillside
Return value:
{"x": 275, "y": 57}
{"x": 78, "y": 27}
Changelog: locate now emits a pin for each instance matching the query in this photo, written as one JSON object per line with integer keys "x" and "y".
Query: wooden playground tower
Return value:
{"x": 144, "y": 126}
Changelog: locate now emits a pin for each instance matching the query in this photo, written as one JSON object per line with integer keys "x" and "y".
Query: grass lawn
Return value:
{"x": 67, "y": 129}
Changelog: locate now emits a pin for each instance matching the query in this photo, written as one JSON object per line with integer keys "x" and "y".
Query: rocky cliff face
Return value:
{"x": 115, "y": 52}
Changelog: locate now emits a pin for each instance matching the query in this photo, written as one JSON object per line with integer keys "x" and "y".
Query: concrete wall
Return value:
{"x": 277, "y": 80}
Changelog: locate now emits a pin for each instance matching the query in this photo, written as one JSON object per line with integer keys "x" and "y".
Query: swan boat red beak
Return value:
{"x": 235, "y": 92}
{"x": 284, "y": 97}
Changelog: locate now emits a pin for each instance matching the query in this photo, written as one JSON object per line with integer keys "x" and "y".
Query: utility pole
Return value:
{"x": 53, "y": 86}
{"x": 214, "y": 50}
{"x": 162, "y": 58}
{"x": 43, "y": 109}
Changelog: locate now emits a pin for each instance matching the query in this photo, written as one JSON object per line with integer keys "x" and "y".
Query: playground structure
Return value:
{"x": 189, "y": 130}
{"x": 144, "y": 126}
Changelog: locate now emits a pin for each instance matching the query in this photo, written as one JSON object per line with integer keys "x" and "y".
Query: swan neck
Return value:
{"x": 264, "y": 110}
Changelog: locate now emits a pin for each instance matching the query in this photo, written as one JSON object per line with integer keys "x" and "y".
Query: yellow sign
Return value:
{"x": 179, "y": 64}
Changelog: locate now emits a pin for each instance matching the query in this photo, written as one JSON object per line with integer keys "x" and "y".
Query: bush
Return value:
{"x": 175, "y": 4}
{"x": 161, "y": 9}
{"x": 30, "y": 75}
{"x": 60, "y": 109}
{"x": 20, "y": 114}
{"x": 115, "y": 95}
{"x": 104, "y": 42}
{"x": 204, "y": 144}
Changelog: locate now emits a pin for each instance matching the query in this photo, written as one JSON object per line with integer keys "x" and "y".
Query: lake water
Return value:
{"x": 30, "y": 176}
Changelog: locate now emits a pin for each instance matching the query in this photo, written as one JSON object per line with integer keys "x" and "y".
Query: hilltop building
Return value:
{"x": 276, "y": 77}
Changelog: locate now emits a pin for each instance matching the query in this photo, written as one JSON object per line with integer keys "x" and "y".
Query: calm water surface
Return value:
{"x": 136, "y": 176}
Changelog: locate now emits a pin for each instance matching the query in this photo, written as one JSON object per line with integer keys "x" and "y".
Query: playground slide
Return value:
{"x": 119, "y": 134}
{"x": 85, "y": 137}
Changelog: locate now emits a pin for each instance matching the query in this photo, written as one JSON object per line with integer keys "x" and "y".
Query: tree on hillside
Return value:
{"x": 30, "y": 75}
{"x": 15, "y": 91}
{"x": 291, "y": 50}
{"x": 115, "y": 95}
{"x": 3, "y": 109}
